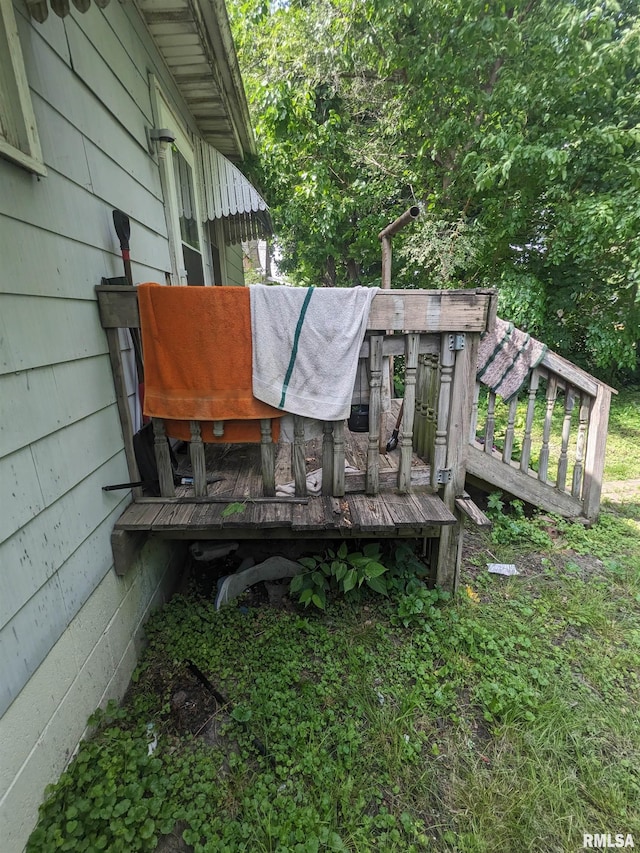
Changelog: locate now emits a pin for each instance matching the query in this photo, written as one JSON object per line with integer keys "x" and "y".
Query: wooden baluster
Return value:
{"x": 218, "y": 429}
{"x": 447, "y": 360}
{"x": 268, "y": 458}
{"x": 327, "y": 458}
{"x": 297, "y": 456}
{"x": 338, "y": 459}
{"x": 583, "y": 420}
{"x": 508, "y": 438}
{"x": 163, "y": 459}
{"x": 419, "y": 422}
{"x": 563, "y": 462}
{"x": 375, "y": 382}
{"x": 412, "y": 342}
{"x": 552, "y": 390}
{"x": 534, "y": 380}
{"x": 490, "y": 425}
{"x": 432, "y": 405}
{"x": 198, "y": 464}
{"x": 473, "y": 426}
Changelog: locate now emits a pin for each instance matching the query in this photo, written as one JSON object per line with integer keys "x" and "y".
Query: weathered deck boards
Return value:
{"x": 414, "y": 515}
{"x": 234, "y": 478}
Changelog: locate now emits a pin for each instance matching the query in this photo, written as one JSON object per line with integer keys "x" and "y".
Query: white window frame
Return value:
{"x": 167, "y": 118}
{"x": 19, "y": 140}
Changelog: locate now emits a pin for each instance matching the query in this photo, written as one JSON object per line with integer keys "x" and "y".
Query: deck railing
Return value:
{"x": 414, "y": 324}
{"x": 546, "y": 446}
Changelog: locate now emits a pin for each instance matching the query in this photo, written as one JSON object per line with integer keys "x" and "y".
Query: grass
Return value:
{"x": 623, "y": 447}
{"x": 506, "y": 720}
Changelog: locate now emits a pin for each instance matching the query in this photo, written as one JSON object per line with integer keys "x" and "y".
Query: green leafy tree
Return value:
{"x": 515, "y": 126}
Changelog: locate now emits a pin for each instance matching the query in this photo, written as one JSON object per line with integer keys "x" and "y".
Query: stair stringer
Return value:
{"x": 490, "y": 469}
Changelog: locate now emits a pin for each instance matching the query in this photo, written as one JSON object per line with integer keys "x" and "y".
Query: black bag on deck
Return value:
{"x": 143, "y": 447}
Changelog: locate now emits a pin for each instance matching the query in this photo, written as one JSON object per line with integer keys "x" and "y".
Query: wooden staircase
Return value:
{"x": 557, "y": 467}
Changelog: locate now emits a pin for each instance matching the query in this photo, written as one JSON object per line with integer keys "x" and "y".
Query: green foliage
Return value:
{"x": 528, "y": 179}
{"x": 419, "y": 605}
{"x": 234, "y": 508}
{"x": 506, "y": 719}
{"x": 511, "y": 526}
{"x": 339, "y": 571}
{"x": 521, "y": 703}
{"x": 112, "y": 797}
{"x": 622, "y": 461}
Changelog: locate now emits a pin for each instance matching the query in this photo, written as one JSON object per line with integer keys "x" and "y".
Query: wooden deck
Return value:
{"x": 362, "y": 492}
{"x": 234, "y": 472}
{"x": 238, "y": 489}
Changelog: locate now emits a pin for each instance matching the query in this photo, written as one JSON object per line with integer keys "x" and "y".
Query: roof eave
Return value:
{"x": 205, "y": 70}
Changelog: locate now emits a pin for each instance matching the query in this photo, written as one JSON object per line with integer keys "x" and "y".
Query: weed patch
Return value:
{"x": 507, "y": 719}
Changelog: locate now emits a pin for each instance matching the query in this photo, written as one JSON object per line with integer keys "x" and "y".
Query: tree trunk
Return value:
{"x": 354, "y": 272}
{"x": 329, "y": 279}
{"x": 267, "y": 261}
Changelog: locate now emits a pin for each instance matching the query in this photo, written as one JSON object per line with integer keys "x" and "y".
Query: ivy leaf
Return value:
{"x": 233, "y": 509}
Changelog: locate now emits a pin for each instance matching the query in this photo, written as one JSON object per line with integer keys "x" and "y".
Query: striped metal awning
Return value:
{"x": 227, "y": 195}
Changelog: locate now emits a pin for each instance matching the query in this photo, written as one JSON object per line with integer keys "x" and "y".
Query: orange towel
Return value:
{"x": 196, "y": 343}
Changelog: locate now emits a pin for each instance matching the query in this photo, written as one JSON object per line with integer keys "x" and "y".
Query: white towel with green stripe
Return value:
{"x": 306, "y": 343}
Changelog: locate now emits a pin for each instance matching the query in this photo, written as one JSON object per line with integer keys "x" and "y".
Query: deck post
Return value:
{"x": 117, "y": 368}
{"x": 327, "y": 458}
{"x": 459, "y": 421}
{"x": 375, "y": 382}
{"x": 268, "y": 457}
{"x": 338, "y": 459}
{"x": 198, "y": 465}
{"x": 595, "y": 452}
{"x": 297, "y": 460}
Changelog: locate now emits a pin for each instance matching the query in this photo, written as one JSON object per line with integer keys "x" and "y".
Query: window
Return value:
{"x": 18, "y": 135}
{"x": 184, "y": 222}
{"x": 187, "y": 215}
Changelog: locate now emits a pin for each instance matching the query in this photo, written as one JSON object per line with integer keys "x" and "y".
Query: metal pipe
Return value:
{"x": 400, "y": 222}
{"x": 385, "y": 282}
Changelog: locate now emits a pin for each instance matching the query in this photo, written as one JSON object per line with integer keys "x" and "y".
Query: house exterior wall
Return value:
{"x": 69, "y": 627}
{"x": 235, "y": 270}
